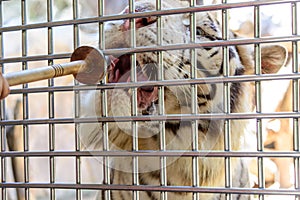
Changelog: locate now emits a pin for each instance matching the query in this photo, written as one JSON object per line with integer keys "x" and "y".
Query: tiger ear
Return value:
{"x": 273, "y": 57}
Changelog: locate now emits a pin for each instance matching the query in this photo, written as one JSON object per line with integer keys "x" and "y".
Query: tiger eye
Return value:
{"x": 199, "y": 31}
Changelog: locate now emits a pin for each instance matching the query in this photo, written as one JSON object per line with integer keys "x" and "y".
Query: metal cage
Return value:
{"x": 41, "y": 153}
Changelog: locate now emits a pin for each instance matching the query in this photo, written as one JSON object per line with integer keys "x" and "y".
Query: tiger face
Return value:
{"x": 176, "y": 64}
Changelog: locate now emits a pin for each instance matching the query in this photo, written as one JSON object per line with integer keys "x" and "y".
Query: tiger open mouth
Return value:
{"x": 119, "y": 72}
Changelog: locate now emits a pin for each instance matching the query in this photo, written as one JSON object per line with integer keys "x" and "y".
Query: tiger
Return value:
{"x": 174, "y": 134}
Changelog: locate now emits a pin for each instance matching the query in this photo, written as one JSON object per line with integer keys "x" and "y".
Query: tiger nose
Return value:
{"x": 139, "y": 22}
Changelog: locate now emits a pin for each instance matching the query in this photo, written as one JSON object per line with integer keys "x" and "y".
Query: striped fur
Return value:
{"x": 177, "y": 100}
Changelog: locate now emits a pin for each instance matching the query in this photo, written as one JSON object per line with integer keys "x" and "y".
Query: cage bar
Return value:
{"x": 194, "y": 104}
{"x": 106, "y": 162}
{"x": 226, "y": 98}
{"x": 257, "y": 58}
{"x": 2, "y": 104}
{"x": 75, "y": 8}
{"x": 295, "y": 69}
{"x": 25, "y": 99}
{"x": 134, "y": 110}
{"x": 51, "y": 101}
{"x": 161, "y": 103}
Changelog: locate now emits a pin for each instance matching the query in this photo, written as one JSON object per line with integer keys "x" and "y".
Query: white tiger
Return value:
{"x": 177, "y": 100}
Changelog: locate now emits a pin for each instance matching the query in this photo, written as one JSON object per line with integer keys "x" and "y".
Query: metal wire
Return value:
{"x": 152, "y": 13}
{"x": 25, "y": 99}
{"x": 231, "y": 42}
{"x": 134, "y": 110}
{"x": 76, "y": 44}
{"x": 106, "y": 146}
{"x": 257, "y": 58}
{"x": 214, "y": 190}
{"x": 51, "y": 101}
{"x": 232, "y": 116}
{"x": 230, "y": 79}
{"x": 295, "y": 67}
{"x": 226, "y": 97}
{"x": 194, "y": 102}
{"x": 161, "y": 104}
{"x": 167, "y": 153}
{"x": 3, "y": 129}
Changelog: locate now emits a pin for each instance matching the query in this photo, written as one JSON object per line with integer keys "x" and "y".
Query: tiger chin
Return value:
{"x": 176, "y": 100}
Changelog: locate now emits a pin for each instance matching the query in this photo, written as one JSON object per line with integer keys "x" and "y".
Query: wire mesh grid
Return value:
{"x": 42, "y": 156}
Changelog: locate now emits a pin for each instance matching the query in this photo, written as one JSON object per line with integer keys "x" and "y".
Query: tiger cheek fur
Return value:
{"x": 177, "y": 100}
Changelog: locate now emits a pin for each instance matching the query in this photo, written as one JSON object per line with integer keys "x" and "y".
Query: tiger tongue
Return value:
{"x": 119, "y": 71}
{"x": 146, "y": 95}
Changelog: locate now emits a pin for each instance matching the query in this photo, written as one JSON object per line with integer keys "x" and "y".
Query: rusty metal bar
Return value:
{"x": 145, "y": 14}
